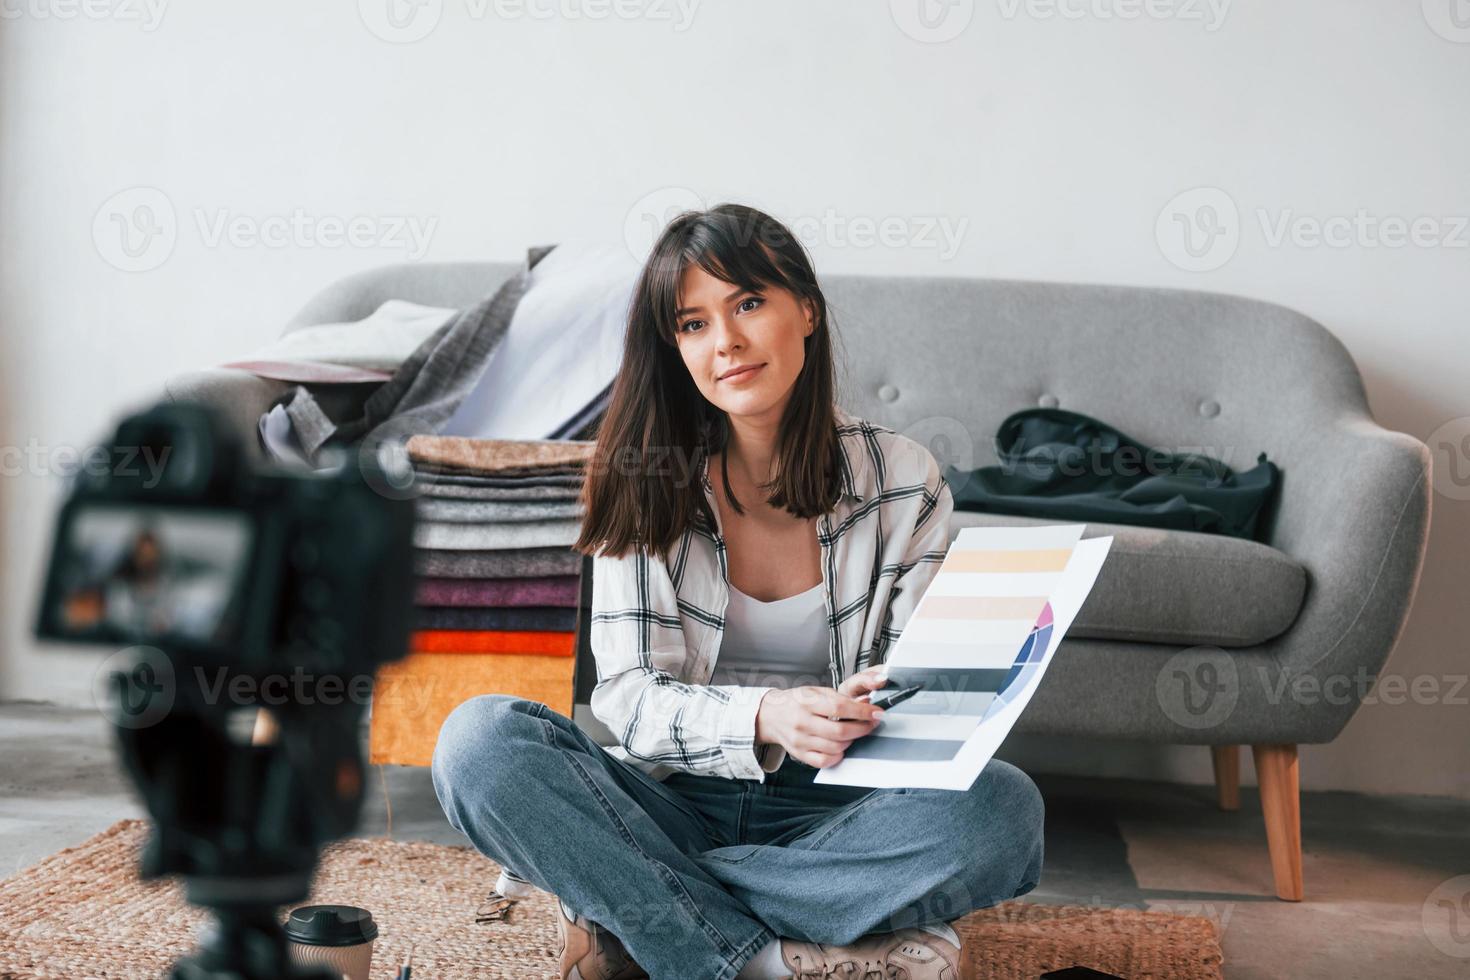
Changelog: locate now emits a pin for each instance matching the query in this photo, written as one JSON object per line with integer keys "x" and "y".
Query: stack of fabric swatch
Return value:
{"x": 497, "y": 590}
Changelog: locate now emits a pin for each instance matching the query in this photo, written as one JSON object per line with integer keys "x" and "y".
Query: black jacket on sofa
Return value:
{"x": 1065, "y": 465}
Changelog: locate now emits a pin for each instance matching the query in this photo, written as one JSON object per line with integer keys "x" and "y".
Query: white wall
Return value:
{"x": 1052, "y": 136}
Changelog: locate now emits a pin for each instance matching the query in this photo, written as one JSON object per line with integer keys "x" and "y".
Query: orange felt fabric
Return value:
{"x": 413, "y": 696}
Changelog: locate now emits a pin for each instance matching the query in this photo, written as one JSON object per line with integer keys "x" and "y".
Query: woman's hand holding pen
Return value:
{"x": 816, "y": 724}
{"x": 864, "y": 681}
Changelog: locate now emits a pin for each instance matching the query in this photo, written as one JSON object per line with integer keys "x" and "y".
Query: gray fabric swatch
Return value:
{"x": 456, "y": 491}
{"x": 428, "y": 472}
{"x": 496, "y": 511}
{"x": 425, "y": 478}
{"x": 512, "y": 563}
{"x": 496, "y": 537}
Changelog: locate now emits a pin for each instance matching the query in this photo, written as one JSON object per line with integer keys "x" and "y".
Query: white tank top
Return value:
{"x": 774, "y": 644}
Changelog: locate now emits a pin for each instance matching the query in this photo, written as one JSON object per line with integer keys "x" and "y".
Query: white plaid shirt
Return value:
{"x": 656, "y": 625}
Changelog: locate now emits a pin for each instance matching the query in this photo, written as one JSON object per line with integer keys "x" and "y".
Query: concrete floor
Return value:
{"x": 1376, "y": 868}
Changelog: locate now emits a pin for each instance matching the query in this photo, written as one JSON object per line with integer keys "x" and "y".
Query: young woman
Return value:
{"x": 756, "y": 549}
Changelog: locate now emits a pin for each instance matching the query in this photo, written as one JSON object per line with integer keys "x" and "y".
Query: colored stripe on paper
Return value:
{"x": 947, "y": 680}
{"x": 1034, "y": 560}
{"x": 976, "y": 632}
{"x": 904, "y": 749}
{"x": 980, "y": 607}
{"x": 1011, "y": 584}
{"x": 928, "y": 702}
{"x": 959, "y": 654}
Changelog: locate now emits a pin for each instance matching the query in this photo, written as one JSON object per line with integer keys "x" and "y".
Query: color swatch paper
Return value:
{"x": 980, "y": 641}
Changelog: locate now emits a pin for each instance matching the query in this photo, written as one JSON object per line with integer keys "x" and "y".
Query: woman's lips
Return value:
{"x": 743, "y": 376}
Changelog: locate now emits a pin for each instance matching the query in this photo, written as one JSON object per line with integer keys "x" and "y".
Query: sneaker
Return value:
{"x": 512, "y": 885}
{"x": 590, "y": 952}
{"x": 919, "y": 953}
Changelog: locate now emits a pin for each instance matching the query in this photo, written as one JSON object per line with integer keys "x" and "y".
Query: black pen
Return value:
{"x": 889, "y": 699}
{"x": 883, "y": 701}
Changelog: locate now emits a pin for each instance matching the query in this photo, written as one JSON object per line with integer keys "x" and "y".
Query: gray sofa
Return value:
{"x": 1187, "y": 638}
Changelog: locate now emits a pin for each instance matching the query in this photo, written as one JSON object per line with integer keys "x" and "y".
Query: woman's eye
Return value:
{"x": 684, "y": 327}
{"x": 751, "y": 299}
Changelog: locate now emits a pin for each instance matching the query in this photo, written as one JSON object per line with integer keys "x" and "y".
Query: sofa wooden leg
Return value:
{"x": 1276, "y": 772}
{"x": 1227, "y": 775}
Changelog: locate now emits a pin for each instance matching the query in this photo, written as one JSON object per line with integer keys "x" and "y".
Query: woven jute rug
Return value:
{"x": 83, "y": 913}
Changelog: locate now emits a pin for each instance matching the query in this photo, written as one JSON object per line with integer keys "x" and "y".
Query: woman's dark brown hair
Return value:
{"x": 642, "y": 489}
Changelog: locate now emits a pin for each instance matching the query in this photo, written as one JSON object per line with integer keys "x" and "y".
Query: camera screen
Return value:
{"x": 153, "y": 574}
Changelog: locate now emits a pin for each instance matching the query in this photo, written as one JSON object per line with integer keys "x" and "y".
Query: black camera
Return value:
{"x": 178, "y": 546}
{"x": 225, "y": 587}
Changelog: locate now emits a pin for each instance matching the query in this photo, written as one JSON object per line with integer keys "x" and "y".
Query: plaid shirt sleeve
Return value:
{"x": 643, "y": 665}
{"x": 925, "y": 552}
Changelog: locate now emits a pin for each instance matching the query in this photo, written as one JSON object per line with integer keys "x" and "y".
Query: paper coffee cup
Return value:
{"x": 336, "y": 937}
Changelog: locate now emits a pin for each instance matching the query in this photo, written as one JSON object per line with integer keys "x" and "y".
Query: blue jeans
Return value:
{"x": 696, "y": 874}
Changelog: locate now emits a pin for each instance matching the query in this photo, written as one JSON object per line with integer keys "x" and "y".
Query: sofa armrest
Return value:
{"x": 243, "y": 397}
{"x": 1355, "y": 512}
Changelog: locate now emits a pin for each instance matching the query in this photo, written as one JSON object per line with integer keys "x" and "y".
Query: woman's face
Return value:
{"x": 722, "y": 328}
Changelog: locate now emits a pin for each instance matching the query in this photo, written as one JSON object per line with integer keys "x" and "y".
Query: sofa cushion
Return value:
{"x": 1162, "y": 586}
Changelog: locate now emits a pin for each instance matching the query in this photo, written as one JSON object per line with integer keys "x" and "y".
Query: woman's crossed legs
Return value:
{"x": 697, "y": 874}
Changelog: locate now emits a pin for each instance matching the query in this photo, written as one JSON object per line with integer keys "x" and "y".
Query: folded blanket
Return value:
{"x": 545, "y": 590}
{"x": 309, "y": 372}
{"x": 428, "y": 472}
{"x": 425, "y": 389}
{"x": 458, "y": 491}
{"x": 583, "y": 425}
{"x": 567, "y": 476}
{"x": 493, "y": 641}
{"x": 564, "y": 346}
{"x": 511, "y": 563}
{"x": 372, "y": 347}
{"x": 496, "y": 537}
{"x": 492, "y": 456}
{"x": 492, "y": 618}
{"x": 495, "y": 511}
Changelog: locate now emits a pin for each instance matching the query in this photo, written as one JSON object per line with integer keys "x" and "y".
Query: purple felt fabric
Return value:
{"x": 550, "y": 590}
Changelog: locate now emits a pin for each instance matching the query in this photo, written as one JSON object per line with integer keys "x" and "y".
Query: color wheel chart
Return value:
{"x": 979, "y": 641}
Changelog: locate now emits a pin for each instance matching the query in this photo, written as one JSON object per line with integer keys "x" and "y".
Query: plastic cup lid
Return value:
{"x": 331, "y": 925}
